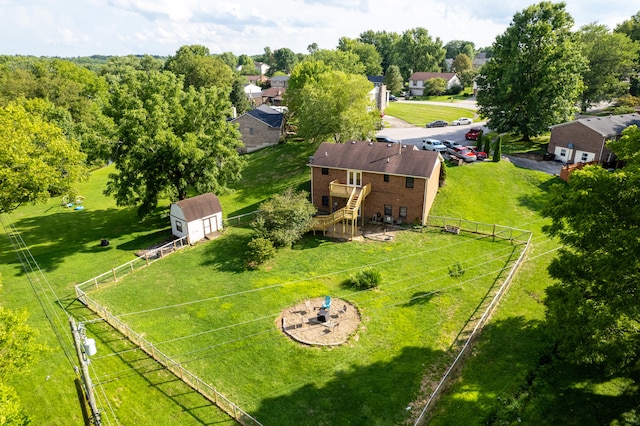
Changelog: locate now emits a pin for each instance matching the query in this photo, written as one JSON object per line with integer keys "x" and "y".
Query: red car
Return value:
{"x": 472, "y": 134}
{"x": 480, "y": 155}
{"x": 462, "y": 152}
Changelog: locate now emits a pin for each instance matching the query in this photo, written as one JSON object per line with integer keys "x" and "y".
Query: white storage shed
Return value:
{"x": 196, "y": 217}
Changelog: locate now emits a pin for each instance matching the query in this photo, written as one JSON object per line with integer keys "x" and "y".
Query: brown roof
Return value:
{"x": 376, "y": 157}
{"x": 424, "y": 76}
{"x": 203, "y": 205}
{"x": 272, "y": 92}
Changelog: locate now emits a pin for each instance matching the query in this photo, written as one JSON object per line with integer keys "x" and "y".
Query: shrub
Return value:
{"x": 456, "y": 270}
{"x": 259, "y": 250}
{"x": 366, "y": 279}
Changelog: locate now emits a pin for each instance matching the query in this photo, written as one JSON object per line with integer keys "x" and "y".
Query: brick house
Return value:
{"x": 584, "y": 140}
{"x": 260, "y": 127}
{"x": 418, "y": 79}
{"x": 392, "y": 183}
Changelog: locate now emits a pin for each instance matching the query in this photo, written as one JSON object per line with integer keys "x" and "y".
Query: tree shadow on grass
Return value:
{"x": 177, "y": 399}
{"x": 53, "y": 237}
{"x": 421, "y": 298}
{"x": 378, "y": 393}
{"x": 537, "y": 201}
{"x": 228, "y": 254}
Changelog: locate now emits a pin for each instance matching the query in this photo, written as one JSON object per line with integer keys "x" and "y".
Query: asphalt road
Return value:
{"x": 412, "y": 135}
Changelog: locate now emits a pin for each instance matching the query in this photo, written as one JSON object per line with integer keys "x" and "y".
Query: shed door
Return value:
{"x": 207, "y": 226}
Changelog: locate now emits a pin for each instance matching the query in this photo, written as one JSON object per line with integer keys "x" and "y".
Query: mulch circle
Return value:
{"x": 303, "y": 324}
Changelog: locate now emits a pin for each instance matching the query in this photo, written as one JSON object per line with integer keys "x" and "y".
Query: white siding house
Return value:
{"x": 196, "y": 217}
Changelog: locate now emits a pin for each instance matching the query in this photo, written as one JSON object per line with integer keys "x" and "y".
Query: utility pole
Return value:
{"x": 79, "y": 338}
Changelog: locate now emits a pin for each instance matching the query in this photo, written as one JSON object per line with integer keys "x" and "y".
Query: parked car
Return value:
{"x": 450, "y": 144}
{"x": 392, "y": 98}
{"x": 461, "y": 121}
{"x": 472, "y": 134}
{"x": 386, "y": 139}
{"x": 433, "y": 145}
{"x": 462, "y": 152}
{"x": 480, "y": 155}
{"x": 438, "y": 123}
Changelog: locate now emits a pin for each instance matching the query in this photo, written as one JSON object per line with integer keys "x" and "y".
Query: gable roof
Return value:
{"x": 608, "y": 126}
{"x": 273, "y": 92}
{"x": 424, "y": 76}
{"x": 376, "y": 79}
{"x": 280, "y": 78}
{"x": 376, "y": 157}
{"x": 267, "y": 115}
{"x": 203, "y": 205}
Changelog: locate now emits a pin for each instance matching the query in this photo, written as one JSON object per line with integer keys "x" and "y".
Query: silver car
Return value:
{"x": 433, "y": 145}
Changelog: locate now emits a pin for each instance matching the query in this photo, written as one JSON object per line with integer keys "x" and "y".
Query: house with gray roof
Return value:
{"x": 584, "y": 140}
{"x": 417, "y": 81}
{"x": 196, "y": 218}
{"x": 261, "y": 127}
{"x": 373, "y": 181}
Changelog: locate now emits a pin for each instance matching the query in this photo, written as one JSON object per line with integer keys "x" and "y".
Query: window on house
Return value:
{"x": 325, "y": 171}
{"x": 585, "y": 157}
{"x": 178, "y": 226}
{"x": 563, "y": 153}
{"x": 325, "y": 200}
{"x": 386, "y": 178}
{"x": 388, "y": 209}
{"x": 403, "y": 212}
{"x": 251, "y": 130}
{"x": 409, "y": 182}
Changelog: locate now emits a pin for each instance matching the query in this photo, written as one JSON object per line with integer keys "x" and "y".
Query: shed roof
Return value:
{"x": 607, "y": 126}
{"x": 376, "y": 157}
{"x": 203, "y": 205}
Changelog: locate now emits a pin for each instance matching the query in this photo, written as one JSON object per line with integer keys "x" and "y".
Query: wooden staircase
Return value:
{"x": 345, "y": 214}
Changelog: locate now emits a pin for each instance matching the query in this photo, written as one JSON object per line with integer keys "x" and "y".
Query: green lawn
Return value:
{"x": 370, "y": 380}
{"x": 421, "y": 114}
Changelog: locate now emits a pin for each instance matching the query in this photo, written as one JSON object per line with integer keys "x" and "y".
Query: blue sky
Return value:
{"x": 70, "y": 28}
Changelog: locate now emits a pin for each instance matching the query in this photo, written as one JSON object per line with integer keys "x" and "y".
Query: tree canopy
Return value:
{"x": 393, "y": 79}
{"x": 611, "y": 60}
{"x": 199, "y": 69}
{"x": 284, "y": 218}
{"x": 534, "y": 79}
{"x": 37, "y": 160}
{"x": 171, "y": 140}
{"x": 594, "y": 307}
{"x": 419, "y": 52}
{"x": 330, "y": 105}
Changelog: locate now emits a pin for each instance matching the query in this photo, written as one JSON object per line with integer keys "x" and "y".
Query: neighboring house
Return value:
{"x": 280, "y": 81}
{"x": 257, "y": 79}
{"x": 393, "y": 183}
{"x": 254, "y": 93}
{"x": 377, "y": 80}
{"x": 262, "y": 68}
{"x": 418, "y": 79}
{"x": 273, "y": 96}
{"x": 584, "y": 140}
{"x": 260, "y": 127}
{"x": 196, "y": 217}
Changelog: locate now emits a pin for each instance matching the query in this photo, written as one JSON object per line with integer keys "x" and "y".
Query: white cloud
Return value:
{"x": 120, "y": 27}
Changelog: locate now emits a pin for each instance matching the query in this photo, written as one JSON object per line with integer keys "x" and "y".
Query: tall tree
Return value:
{"x": 303, "y": 74}
{"x": 457, "y": 47}
{"x": 238, "y": 96}
{"x": 339, "y": 60}
{"x": 37, "y": 160}
{"x": 630, "y": 27}
{"x": 285, "y": 60}
{"x": 593, "y": 308}
{"x": 612, "y": 58}
{"x": 534, "y": 79}
{"x": 336, "y": 106}
{"x": 367, "y": 54}
{"x": 385, "y": 43}
{"x": 419, "y": 52}
{"x": 393, "y": 79}
{"x": 200, "y": 69}
{"x": 171, "y": 140}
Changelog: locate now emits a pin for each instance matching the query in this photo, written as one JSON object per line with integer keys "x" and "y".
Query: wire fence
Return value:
{"x": 193, "y": 381}
{"x": 456, "y": 225}
{"x": 148, "y": 258}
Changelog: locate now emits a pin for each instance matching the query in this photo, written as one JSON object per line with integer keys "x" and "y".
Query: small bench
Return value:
{"x": 452, "y": 229}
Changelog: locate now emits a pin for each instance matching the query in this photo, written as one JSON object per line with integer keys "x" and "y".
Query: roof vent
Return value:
{"x": 326, "y": 154}
{"x": 353, "y": 142}
{"x": 311, "y": 159}
{"x": 388, "y": 159}
{"x": 370, "y": 143}
{"x": 388, "y": 145}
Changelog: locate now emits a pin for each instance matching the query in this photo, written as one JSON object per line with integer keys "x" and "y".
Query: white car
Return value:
{"x": 433, "y": 145}
{"x": 461, "y": 121}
